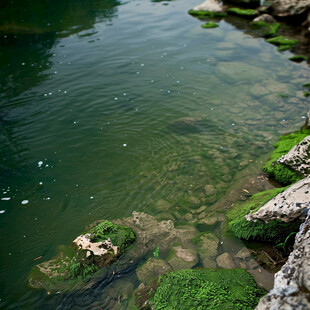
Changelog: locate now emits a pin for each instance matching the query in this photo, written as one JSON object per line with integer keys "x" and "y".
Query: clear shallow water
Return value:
{"x": 125, "y": 104}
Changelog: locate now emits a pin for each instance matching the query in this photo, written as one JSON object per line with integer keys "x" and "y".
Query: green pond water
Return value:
{"x": 111, "y": 107}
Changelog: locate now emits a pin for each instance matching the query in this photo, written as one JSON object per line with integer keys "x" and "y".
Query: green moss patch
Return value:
{"x": 279, "y": 172}
{"x": 265, "y": 29}
{"x": 298, "y": 58}
{"x": 73, "y": 266}
{"x": 249, "y": 13}
{"x": 202, "y": 289}
{"x": 275, "y": 231}
{"x": 206, "y": 13}
{"x": 283, "y": 43}
{"x": 210, "y": 25}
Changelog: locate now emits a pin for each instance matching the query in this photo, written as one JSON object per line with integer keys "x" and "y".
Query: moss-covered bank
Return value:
{"x": 275, "y": 231}
{"x": 76, "y": 263}
{"x": 280, "y": 172}
{"x": 201, "y": 289}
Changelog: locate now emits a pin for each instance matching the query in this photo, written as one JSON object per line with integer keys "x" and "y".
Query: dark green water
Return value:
{"x": 125, "y": 104}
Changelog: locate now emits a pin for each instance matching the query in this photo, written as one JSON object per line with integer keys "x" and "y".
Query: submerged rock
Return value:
{"x": 287, "y": 206}
{"x": 225, "y": 261}
{"x": 154, "y": 267}
{"x": 180, "y": 258}
{"x": 292, "y": 283}
{"x": 266, "y": 18}
{"x": 207, "y": 245}
{"x": 201, "y": 289}
{"x": 211, "y": 8}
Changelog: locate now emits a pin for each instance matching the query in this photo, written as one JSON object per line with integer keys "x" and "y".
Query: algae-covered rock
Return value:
{"x": 264, "y": 28}
{"x": 274, "y": 231}
{"x": 97, "y": 247}
{"x": 298, "y": 58}
{"x": 210, "y": 25}
{"x": 154, "y": 267}
{"x": 282, "y": 173}
{"x": 210, "y": 289}
{"x": 283, "y": 43}
{"x": 245, "y": 13}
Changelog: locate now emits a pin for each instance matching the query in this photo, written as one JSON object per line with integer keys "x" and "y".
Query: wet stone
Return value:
{"x": 181, "y": 258}
{"x": 225, "y": 261}
{"x": 208, "y": 245}
{"x": 243, "y": 253}
{"x": 153, "y": 268}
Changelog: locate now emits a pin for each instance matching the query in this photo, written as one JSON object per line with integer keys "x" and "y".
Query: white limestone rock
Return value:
{"x": 286, "y": 206}
{"x": 210, "y": 6}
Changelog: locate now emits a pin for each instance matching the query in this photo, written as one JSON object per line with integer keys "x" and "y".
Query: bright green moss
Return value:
{"x": 298, "y": 58}
{"x": 275, "y": 231}
{"x": 206, "y": 13}
{"x": 249, "y": 13}
{"x": 307, "y": 85}
{"x": 206, "y": 289}
{"x": 306, "y": 94}
{"x": 209, "y": 25}
{"x": 120, "y": 236}
{"x": 282, "y": 42}
{"x": 266, "y": 29}
{"x": 279, "y": 172}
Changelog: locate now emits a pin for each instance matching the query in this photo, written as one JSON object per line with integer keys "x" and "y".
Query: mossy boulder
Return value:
{"x": 210, "y": 25}
{"x": 245, "y": 13}
{"x": 211, "y": 289}
{"x": 274, "y": 231}
{"x": 99, "y": 246}
{"x": 282, "y": 173}
{"x": 283, "y": 43}
{"x": 266, "y": 29}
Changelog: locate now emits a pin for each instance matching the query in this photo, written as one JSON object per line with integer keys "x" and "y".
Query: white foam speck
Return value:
{"x": 91, "y": 197}
{"x": 115, "y": 98}
{"x": 124, "y": 144}
{"x": 6, "y": 198}
{"x": 40, "y": 163}
{"x": 2, "y": 211}
{"x": 24, "y": 202}
{"x": 40, "y": 183}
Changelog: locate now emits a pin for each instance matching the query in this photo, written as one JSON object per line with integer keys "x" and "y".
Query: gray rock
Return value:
{"x": 225, "y": 261}
{"x": 153, "y": 268}
{"x": 288, "y": 8}
{"x": 210, "y": 6}
{"x": 292, "y": 283}
{"x": 208, "y": 263}
{"x": 265, "y": 18}
{"x": 286, "y": 206}
{"x": 201, "y": 209}
{"x": 298, "y": 158}
{"x": 210, "y": 220}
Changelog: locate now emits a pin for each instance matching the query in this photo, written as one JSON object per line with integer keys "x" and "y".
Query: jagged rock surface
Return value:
{"x": 286, "y": 8}
{"x": 298, "y": 158}
{"x": 286, "y": 206}
{"x": 265, "y": 18}
{"x": 292, "y": 283}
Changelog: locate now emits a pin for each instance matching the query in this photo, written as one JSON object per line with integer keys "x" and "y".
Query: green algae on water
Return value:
{"x": 274, "y": 231}
{"x": 210, "y": 25}
{"x": 206, "y": 13}
{"x": 212, "y": 289}
{"x": 280, "y": 172}
{"x": 249, "y": 13}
